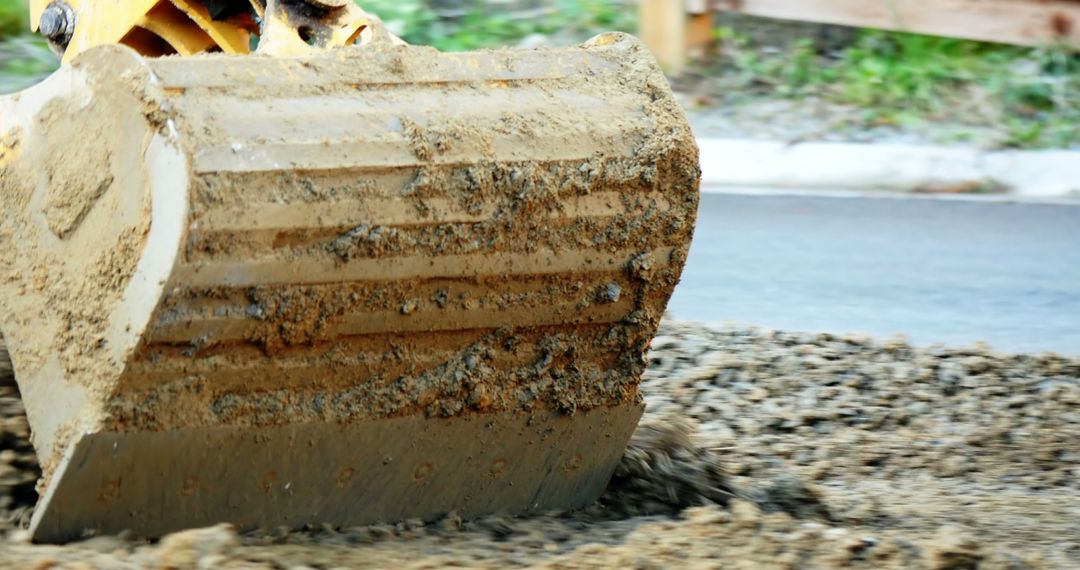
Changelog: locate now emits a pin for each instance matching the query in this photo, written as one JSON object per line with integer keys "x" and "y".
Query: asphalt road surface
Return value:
{"x": 939, "y": 271}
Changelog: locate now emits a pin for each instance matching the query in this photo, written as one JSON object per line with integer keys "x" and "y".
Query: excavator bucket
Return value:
{"x": 365, "y": 285}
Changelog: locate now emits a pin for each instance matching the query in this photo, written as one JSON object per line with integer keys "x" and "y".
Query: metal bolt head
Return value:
{"x": 52, "y": 22}
{"x": 57, "y": 22}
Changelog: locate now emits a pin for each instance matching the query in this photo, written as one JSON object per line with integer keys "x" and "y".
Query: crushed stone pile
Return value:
{"x": 758, "y": 449}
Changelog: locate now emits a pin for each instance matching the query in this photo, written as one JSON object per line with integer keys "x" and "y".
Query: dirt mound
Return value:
{"x": 758, "y": 449}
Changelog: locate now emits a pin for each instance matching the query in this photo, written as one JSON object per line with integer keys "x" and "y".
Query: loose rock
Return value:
{"x": 758, "y": 449}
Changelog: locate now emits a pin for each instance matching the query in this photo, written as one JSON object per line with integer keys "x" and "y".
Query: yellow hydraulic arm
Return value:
{"x": 187, "y": 27}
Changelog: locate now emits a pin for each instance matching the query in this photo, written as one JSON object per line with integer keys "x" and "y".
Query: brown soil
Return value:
{"x": 758, "y": 449}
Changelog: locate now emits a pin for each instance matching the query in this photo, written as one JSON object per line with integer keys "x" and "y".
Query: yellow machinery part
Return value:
{"x": 360, "y": 285}
{"x": 185, "y": 27}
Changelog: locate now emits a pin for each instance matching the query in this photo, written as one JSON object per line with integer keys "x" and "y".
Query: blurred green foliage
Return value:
{"x": 24, "y": 61}
{"x": 24, "y": 58}
{"x": 1032, "y": 95}
{"x": 483, "y": 25}
{"x": 13, "y": 18}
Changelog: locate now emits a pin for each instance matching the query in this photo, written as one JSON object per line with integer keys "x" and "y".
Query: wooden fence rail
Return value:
{"x": 676, "y": 28}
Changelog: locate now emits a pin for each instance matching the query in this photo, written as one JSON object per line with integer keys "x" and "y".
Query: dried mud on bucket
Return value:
{"x": 758, "y": 450}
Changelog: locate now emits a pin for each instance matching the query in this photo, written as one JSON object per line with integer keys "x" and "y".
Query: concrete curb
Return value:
{"x": 891, "y": 167}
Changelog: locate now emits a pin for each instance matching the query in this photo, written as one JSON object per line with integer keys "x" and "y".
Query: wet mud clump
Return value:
{"x": 758, "y": 449}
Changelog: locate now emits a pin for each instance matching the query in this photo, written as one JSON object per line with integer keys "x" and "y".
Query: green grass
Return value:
{"x": 1031, "y": 95}
{"x": 564, "y": 21}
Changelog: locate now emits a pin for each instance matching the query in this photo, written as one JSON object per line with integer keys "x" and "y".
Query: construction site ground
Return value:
{"x": 758, "y": 450}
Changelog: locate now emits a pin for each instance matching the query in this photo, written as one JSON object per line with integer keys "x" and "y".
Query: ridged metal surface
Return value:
{"x": 391, "y": 235}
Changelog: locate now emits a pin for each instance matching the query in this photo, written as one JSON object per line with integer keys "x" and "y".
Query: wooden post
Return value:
{"x": 676, "y": 29}
{"x": 662, "y": 24}
{"x": 699, "y": 33}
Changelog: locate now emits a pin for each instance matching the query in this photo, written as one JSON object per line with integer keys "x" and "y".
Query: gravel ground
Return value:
{"x": 758, "y": 450}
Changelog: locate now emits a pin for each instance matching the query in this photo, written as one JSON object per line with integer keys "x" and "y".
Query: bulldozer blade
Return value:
{"x": 373, "y": 284}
